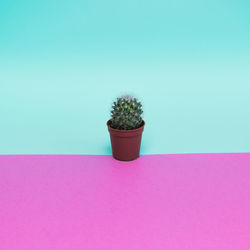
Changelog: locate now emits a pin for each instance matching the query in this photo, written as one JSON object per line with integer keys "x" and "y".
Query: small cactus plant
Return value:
{"x": 126, "y": 113}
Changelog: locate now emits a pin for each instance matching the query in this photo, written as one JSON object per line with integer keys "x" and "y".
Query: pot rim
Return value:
{"x": 125, "y": 131}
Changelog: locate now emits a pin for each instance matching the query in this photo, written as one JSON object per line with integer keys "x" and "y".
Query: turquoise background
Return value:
{"x": 63, "y": 62}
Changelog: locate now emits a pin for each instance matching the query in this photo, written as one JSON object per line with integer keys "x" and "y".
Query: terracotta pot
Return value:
{"x": 125, "y": 143}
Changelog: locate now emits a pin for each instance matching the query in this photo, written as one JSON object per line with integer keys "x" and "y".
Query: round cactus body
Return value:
{"x": 126, "y": 113}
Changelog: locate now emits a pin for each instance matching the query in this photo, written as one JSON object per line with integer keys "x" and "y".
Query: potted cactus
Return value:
{"x": 125, "y": 127}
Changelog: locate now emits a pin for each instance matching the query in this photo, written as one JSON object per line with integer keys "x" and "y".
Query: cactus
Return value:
{"x": 126, "y": 113}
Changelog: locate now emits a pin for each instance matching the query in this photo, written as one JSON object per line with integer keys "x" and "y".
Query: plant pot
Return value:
{"x": 125, "y": 143}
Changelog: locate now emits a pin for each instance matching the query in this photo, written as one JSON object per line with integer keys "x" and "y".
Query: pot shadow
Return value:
{"x": 107, "y": 150}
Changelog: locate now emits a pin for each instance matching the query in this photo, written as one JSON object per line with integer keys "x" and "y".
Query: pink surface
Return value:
{"x": 195, "y": 202}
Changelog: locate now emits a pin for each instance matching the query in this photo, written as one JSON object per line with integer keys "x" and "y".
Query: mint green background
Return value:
{"x": 63, "y": 62}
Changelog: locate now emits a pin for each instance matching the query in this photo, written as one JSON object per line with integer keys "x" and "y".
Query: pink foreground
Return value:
{"x": 193, "y": 201}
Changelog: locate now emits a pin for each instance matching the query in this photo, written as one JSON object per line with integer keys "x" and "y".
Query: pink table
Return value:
{"x": 194, "y": 202}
